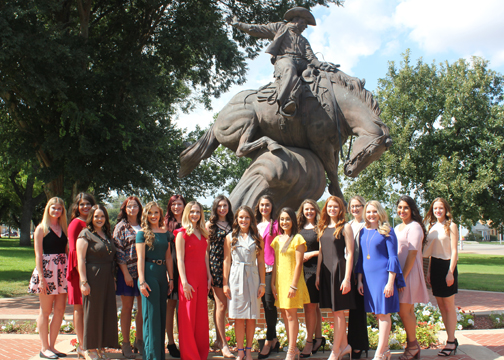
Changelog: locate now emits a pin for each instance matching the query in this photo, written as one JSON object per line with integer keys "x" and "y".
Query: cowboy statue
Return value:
{"x": 290, "y": 53}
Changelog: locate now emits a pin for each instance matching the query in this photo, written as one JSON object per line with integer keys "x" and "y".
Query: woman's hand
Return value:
{"x": 128, "y": 279}
{"x": 144, "y": 289}
{"x": 427, "y": 277}
{"x": 44, "y": 289}
{"x": 292, "y": 293}
{"x": 449, "y": 278}
{"x": 345, "y": 287}
{"x": 85, "y": 289}
{"x": 306, "y": 257}
{"x": 209, "y": 284}
{"x": 389, "y": 290}
{"x": 188, "y": 290}
{"x": 274, "y": 291}
{"x": 317, "y": 282}
{"x": 360, "y": 288}
{"x": 261, "y": 291}
{"x": 227, "y": 291}
{"x": 401, "y": 289}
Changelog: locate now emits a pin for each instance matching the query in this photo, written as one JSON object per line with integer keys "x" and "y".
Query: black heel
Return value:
{"x": 172, "y": 349}
{"x": 448, "y": 352}
{"x": 304, "y": 356}
{"x": 322, "y": 344}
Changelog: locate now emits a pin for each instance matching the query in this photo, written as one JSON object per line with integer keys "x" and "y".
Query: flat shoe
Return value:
{"x": 53, "y": 356}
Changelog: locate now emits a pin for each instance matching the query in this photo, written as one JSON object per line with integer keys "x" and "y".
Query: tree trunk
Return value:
{"x": 55, "y": 188}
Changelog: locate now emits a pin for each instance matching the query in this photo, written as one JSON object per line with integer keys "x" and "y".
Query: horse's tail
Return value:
{"x": 200, "y": 150}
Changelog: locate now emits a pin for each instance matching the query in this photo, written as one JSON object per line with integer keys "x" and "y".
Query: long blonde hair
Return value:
{"x": 46, "y": 219}
{"x": 146, "y": 226}
{"x": 187, "y": 224}
{"x": 383, "y": 225}
{"x": 325, "y": 220}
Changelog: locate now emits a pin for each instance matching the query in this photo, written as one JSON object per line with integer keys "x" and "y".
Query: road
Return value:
{"x": 484, "y": 249}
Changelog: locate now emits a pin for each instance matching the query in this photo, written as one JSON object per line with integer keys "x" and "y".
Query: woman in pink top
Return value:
{"x": 80, "y": 210}
{"x": 410, "y": 237}
{"x": 268, "y": 229}
{"x": 441, "y": 249}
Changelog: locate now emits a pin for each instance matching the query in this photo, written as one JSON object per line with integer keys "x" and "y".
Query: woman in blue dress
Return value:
{"x": 379, "y": 272}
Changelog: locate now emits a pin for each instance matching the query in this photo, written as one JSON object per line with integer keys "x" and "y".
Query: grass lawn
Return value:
{"x": 481, "y": 272}
{"x": 490, "y": 243}
{"x": 16, "y": 266}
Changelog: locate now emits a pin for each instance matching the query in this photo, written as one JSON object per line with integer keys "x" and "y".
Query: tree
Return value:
{"x": 92, "y": 86}
{"x": 447, "y": 124}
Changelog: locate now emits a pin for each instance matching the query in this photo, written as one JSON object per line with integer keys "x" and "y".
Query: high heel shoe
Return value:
{"x": 276, "y": 347}
{"x": 346, "y": 350}
{"x": 409, "y": 352}
{"x": 448, "y": 352}
{"x": 386, "y": 355}
{"x": 80, "y": 353}
{"x": 172, "y": 349}
{"x": 322, "y": 345}
{"x": 138, "y": 346}
{"x": 91, "y": 355}
{"x": 103, "y": 355}
{"x": 127, "y": 351}
{"x": 292, "y": 354}
{"x": 304, "y": 356}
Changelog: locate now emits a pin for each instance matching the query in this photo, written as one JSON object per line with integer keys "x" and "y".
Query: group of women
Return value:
{"x": 313, "y": 259}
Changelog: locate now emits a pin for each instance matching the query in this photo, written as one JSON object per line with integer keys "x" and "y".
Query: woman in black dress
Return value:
{"x": 173, "y": 220}
{"x": 307, "y": 218}
{"x": 334, "y": 272}
{"x": 219, "y": 225}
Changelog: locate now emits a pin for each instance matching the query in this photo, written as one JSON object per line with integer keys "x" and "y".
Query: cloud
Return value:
{"x": 461, "y": 26}
{"x": 345, "y": 34}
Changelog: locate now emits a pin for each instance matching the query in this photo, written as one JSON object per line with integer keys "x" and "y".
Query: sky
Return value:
{"x": 364, "y": 35}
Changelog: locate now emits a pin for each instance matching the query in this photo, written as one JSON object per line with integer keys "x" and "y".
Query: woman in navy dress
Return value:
{"x": 379, "y": 272}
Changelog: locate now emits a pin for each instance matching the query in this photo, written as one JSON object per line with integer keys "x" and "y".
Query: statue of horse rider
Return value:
{"x": 290, "y": 52}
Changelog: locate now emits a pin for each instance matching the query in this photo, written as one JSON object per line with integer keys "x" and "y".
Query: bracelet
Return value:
{"x": 83, "y": 282}
{"x": 293, "y": 287}
{"x": 142, "y": 283}
{"x": 262, "y": 284}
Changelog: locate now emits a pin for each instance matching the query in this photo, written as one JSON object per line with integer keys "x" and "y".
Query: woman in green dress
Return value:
{"x": 155, "y": 278}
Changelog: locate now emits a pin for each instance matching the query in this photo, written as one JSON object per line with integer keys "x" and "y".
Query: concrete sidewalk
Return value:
{"x": 474, "y": 344}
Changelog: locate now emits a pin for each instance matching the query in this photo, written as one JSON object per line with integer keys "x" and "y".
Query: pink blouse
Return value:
{"x": 410, "y": 238}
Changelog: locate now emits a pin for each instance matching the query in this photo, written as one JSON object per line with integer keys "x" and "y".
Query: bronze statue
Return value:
{"x": 290, "y": 53}
{"x": 323, "y": 107}
{"x": 333, "y": 106}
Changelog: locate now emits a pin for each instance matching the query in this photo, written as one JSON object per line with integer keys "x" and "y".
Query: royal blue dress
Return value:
{"x": 383, "y": 259}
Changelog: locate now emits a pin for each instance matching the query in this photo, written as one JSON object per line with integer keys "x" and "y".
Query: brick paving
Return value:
{"x": 482, "y": 302}
{"x": 493, "y": 341}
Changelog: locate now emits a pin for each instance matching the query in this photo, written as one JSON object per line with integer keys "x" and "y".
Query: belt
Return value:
{"x": 157, "y": 262}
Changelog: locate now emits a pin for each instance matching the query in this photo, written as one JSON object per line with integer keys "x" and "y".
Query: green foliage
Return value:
{"x": 497, "y": 320}
{"x": 90, "y": 88}
{"x": 447, "y": 124}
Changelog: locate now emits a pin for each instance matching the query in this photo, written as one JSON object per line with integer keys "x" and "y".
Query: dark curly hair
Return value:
{"x": 214, "y": 217}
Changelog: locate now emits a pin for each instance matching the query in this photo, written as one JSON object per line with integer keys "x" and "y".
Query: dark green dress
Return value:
{"x": 100, "y": 311}
{"x": 154, "y": 306}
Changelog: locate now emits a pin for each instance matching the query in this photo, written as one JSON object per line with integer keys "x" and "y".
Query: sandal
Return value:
{"x": 448, "y": 352}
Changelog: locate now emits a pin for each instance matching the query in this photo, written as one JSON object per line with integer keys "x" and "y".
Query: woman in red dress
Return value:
{"x": 194, "y": 283}
{"x": 80, "y": 210}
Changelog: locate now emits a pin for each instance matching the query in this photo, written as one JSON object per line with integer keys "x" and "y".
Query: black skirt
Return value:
{"x": 439, "y": 270}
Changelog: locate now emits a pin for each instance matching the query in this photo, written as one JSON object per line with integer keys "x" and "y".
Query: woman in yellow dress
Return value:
{"x": 289, "y": 289}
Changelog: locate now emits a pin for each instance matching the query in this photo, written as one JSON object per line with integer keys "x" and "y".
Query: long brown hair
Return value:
{"x": 294, "y": 229}
{"x": 258, "y": 215}
{"x": 325, "y": 219}
{"x": 89, "y": 220}
{"x": 254, "y": 233}
{"x": 415, "y": 214}
{"x": 146, "y": 226}
{"x": 301, "y": 218}
{"x": 74, "y": 212}
{"x": 432, "y": 220}
{"x": 214, "y": 217}
{"x": 170, "y": 221}
{"x": 122, "y": 211}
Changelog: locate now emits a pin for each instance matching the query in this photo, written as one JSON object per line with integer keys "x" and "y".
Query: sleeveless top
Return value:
{"x": 53, "y": 244}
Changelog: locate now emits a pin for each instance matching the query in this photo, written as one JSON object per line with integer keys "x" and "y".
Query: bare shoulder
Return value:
{"x": 453, "y": 227}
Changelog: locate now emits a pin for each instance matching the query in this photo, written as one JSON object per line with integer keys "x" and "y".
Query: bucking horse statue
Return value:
{"x": 290, "y": 154}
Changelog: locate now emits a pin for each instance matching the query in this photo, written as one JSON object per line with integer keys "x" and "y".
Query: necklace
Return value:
{"x": 367, "y": 244}
{"x": 106, "y": 242}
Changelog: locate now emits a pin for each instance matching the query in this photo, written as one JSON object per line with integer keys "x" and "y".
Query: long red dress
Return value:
{"x": 193, "y": 314}
{"x": 74, "y": 293}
